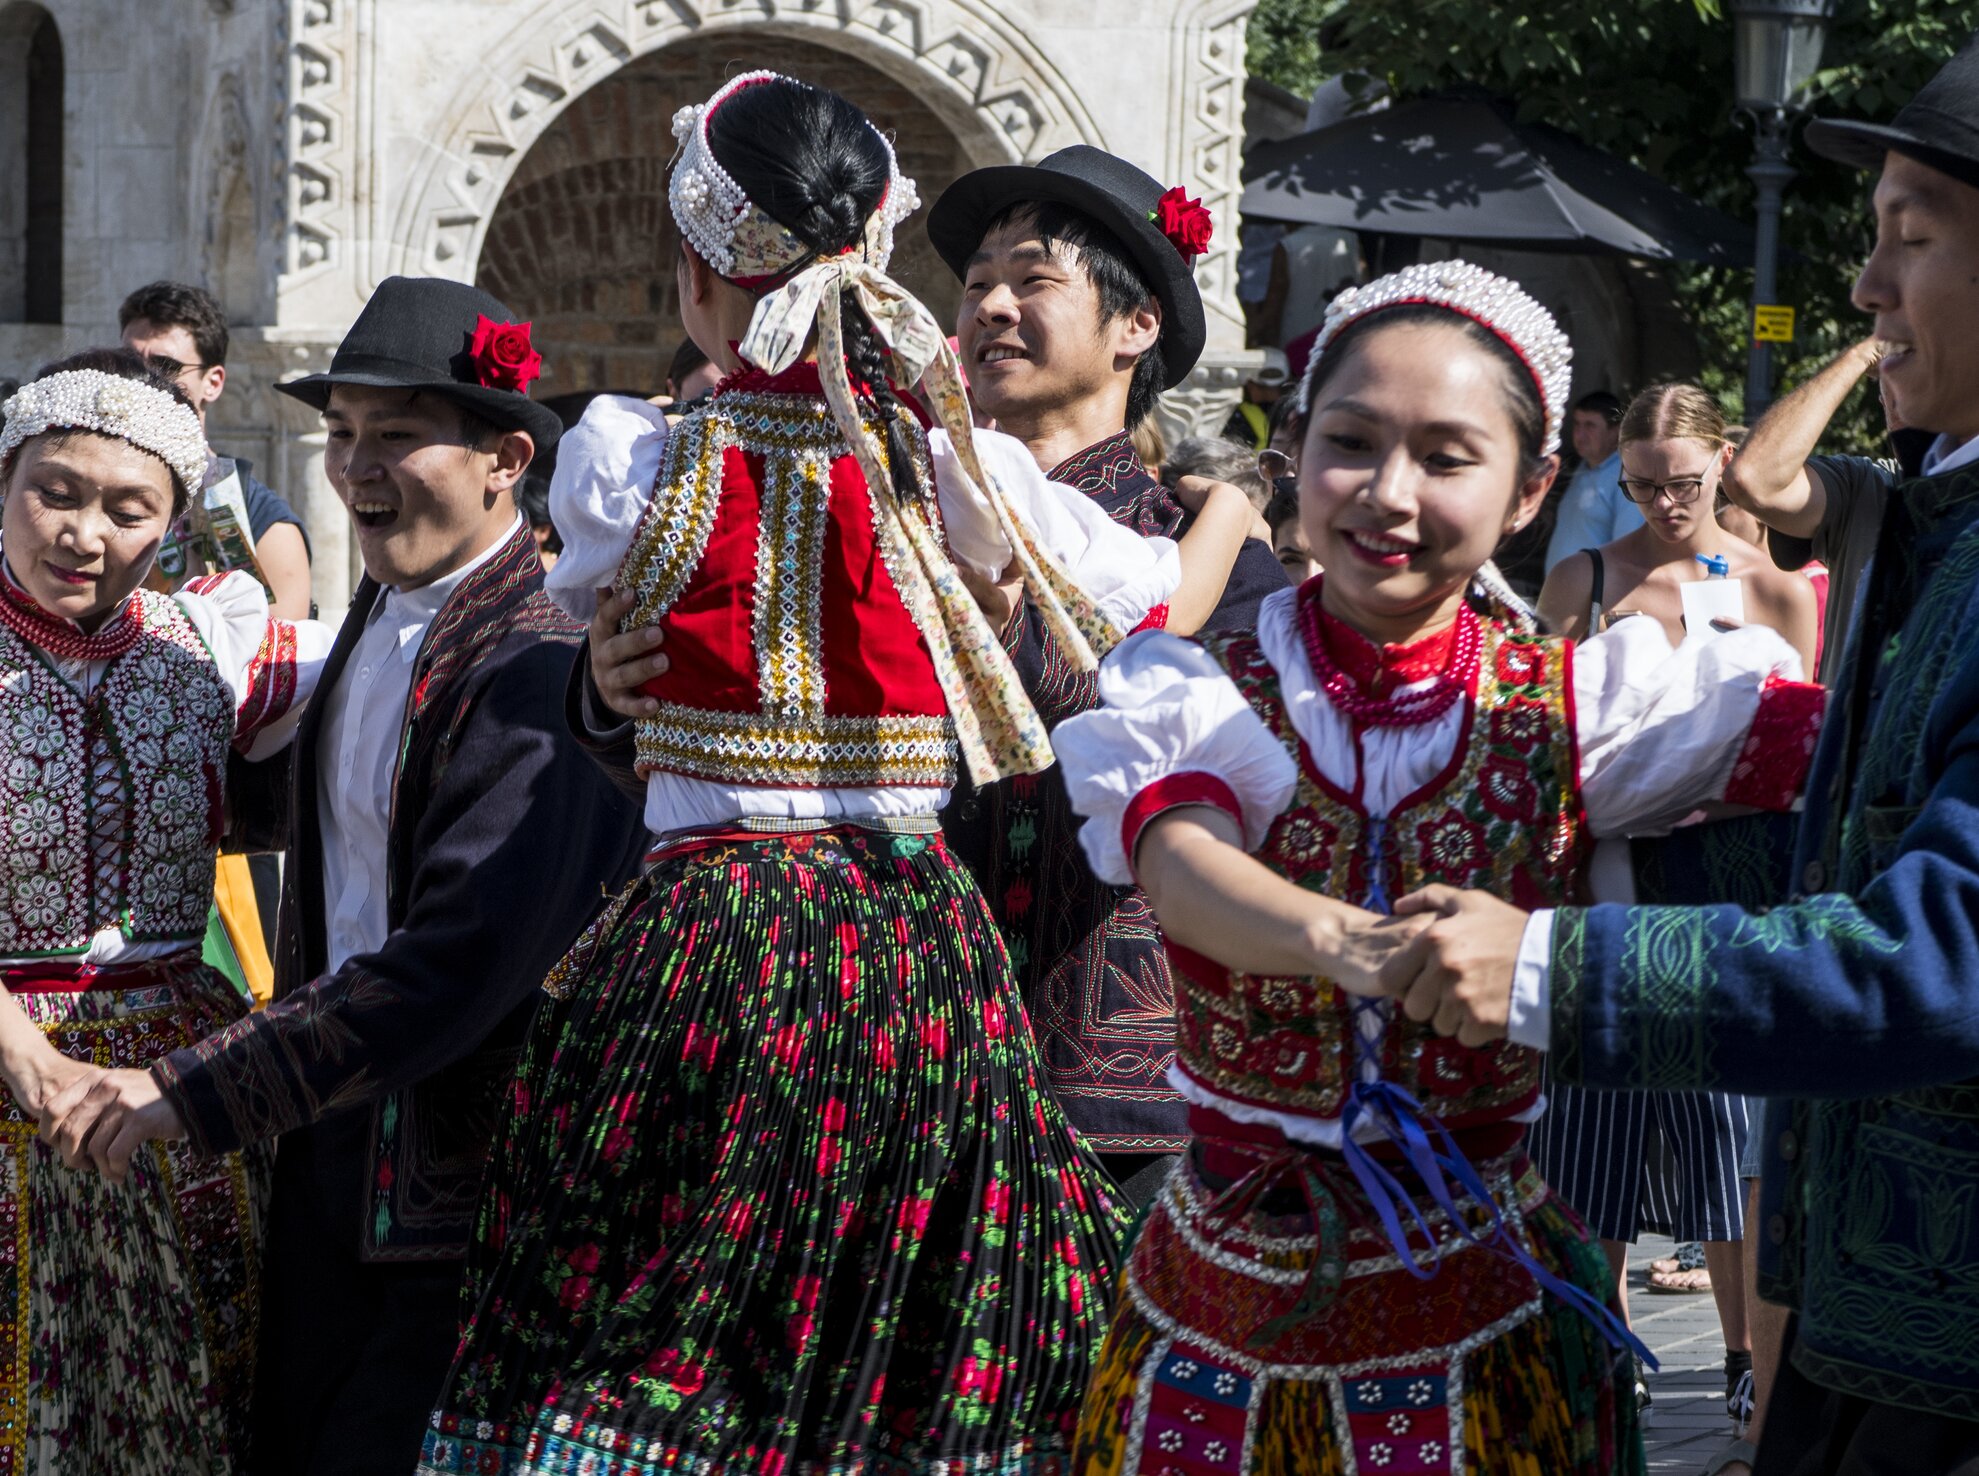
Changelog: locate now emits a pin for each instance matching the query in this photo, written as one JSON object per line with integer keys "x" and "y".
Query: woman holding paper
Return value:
{"x": 1674, "y": 450}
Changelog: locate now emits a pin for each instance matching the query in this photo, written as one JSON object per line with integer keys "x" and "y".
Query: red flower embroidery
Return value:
{"x": 1184, "y": 221}
{"x": 1519, "y": 724}
{"x": 805, "y": 1291}
{"x": 834, "y": 1116}
{"x": 1452, "y": 848}
{"x": 503, "y": 357}
{"x": 934, "y": 1037}
{"x": 576, "y": 1292}
{"x": 993, "y": 1021}
{"x": 797, "y": 1331}
{"x": 830, "y": 1153}
{"x": 996, "y": 1201}
{"x": 1521, "y": 665}
{"x": 1508, "y": 791}
{"x": 585, "y": 1258}
{"x": 617, "y": 1140}
{"x": 1450, "y": 1070}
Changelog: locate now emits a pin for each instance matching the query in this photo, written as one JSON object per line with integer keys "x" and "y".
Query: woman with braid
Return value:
{"x": 780, "y": 1189}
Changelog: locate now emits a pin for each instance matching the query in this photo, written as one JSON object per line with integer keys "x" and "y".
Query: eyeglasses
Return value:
{"x": 1681, "y": 491}
{"x": 171, "y": 368}
{"x": 1275, "y": 466}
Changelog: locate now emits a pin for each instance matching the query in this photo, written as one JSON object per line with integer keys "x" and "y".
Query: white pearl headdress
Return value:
{"x": 1498, "y": 303}
{"x": 735, "y": 236}
{"x": 90, "y": 400}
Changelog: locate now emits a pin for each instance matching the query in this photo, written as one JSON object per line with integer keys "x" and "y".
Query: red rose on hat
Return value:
{"x": 502, "y": 355}
{"x": 1184, "y": 221}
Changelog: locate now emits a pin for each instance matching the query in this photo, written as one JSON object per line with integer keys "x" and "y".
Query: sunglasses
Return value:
{"x": 1276, "y": 466}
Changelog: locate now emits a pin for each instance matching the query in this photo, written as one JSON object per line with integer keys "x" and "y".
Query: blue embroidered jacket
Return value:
{"x": 1858, "y": 998}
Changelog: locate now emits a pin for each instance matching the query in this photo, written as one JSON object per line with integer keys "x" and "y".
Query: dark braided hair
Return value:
{"x": 812, "y": 162}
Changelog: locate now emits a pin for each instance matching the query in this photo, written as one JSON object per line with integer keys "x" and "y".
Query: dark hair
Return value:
{"x": 1521, "y": 391}
{"x": 686, "y": 359}
{"x": 1282, "y": 508}
{"x": 178, "y": 305}
{"x": 124, "y": 364}
{"x": 1116, "y": 279}
{"x": 811, "y": 161}
{"x": 1600, "y": 402}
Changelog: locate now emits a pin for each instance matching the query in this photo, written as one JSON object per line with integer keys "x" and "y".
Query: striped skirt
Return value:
{"x": 1629, "y": 1162}
{"x": 128, "y": 1324}
{"x": 780, "y": 1191}
{"x": 1218, "y": 1365}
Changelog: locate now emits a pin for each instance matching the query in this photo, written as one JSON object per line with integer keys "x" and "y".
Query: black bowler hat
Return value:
{"x": 1938, "y": 127}
{"x": 1115, "y": 194}
{"x": 434, "y": 336}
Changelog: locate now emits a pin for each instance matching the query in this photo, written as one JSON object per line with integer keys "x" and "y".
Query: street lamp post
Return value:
{"x": 1776, "y": 48}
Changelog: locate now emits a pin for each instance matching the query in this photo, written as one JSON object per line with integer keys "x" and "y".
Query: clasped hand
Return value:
{"x": 1454, "y": 971}
{"x": 98, "y": 1118}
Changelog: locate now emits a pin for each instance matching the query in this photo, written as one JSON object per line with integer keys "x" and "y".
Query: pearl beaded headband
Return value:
{"x": 735, "y": 235}
{"x": 110, "y": 405}
{"x": 1462, "y": 287}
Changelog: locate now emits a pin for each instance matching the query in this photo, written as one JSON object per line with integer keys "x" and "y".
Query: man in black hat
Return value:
{"x": 1079, "y": 307}
{"x": 429, "y": 782}
{"x": 1855, "y": 1005}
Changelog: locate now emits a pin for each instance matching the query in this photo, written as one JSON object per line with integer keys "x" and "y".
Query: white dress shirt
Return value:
{"x": 357, "y": 758}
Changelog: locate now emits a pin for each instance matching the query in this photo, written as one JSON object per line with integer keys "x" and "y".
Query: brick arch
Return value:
{"x": 582, "y": 242}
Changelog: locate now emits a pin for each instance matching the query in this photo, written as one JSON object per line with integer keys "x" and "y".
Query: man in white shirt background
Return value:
{"x": 1593, "y": 510}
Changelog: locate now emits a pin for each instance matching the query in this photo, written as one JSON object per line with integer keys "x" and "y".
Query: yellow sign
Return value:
{"x": 1772, "y": 324}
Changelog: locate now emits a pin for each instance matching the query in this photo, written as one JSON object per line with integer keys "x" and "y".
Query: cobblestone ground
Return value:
{"x": 1685, "y": 1429}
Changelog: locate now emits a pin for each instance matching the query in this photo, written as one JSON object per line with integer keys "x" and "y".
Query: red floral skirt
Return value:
{"x": 780, "y": 1190}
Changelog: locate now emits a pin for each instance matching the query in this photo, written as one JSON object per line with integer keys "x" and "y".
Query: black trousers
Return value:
{"x": 352, "y": 1354}
{"x": 1812, "y": 1431}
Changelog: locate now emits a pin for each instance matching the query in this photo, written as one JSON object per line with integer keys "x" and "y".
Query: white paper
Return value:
{"x": 1706, "y": 600}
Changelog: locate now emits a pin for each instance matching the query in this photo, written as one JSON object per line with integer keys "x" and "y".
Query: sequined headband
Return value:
{"x": 1497, "y": 303}
{"x": 735, "y": 235}
{"x": 110, "y": 405}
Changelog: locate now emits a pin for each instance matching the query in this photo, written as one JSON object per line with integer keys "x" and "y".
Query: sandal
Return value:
{"x": 1738, "y": 1388}
{"x": 1689, "y": 1257}
{"x": 1739, "y": 1452}
{"x": 1679, "y": 1283}
{"x": 1642, "y": 1396}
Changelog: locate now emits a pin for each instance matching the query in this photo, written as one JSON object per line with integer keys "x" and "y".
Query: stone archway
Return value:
{"x": 582, "y": 242}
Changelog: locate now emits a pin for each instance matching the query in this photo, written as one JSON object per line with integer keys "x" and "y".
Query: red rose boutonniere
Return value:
{"x": 503, "y": 358}
{"x": 1184, "y": 221}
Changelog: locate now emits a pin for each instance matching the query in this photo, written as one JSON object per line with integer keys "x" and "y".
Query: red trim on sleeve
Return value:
{"x": 1155, "y": 619}
{"x": 1173, "y": 792}
{"x": 1779, "y": 746}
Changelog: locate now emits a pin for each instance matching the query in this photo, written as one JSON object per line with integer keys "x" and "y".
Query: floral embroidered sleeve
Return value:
{"x": 270, "y": 665}
{"x": 1171, "y": 730}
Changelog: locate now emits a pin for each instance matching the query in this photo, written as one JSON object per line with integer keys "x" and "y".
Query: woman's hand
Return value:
{"x": 1198, "y": 493}
{"x": 1457, "y": 972}
{"x": 42, "y": 1076}
{"x": 622, "y": 664}
{"x": 103, "y": 1118}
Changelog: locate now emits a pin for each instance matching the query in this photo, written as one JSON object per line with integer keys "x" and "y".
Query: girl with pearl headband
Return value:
{"x": 1355, "y": 1266}
{"x": 780, "y": 1189}
{"x": 130, "y": 1347}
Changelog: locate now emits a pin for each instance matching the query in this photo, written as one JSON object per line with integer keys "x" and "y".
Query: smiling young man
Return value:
{"x": 446, "y": 842}
{"x": 1079, "y": 308}
{"x": 1855, "y": 1005}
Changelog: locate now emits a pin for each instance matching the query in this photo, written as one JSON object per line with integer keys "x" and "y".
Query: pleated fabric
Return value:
{"x": 780, "y": 1190}
{"x": 129, "y": 1312}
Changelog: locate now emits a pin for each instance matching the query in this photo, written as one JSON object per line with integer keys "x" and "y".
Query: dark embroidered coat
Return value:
{"x": 1089, "y": 956}
{"x": 504, "y": 839}
{"x": 1859, "y": 997}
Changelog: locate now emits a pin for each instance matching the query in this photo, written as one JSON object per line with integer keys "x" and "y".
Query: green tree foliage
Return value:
{"x": 1651, "y": 80}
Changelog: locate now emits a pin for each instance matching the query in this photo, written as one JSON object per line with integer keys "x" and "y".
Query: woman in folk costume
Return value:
{"x": 130, "y": 1344}
{"x": 1355, "y": 1267}
{"x": 780, "y": 1190}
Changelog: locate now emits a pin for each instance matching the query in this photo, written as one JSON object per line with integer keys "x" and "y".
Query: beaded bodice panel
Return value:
{"x": 1503, "y": 816}
{"x": 112, "y": 793}
{"x": 794, "y": 661}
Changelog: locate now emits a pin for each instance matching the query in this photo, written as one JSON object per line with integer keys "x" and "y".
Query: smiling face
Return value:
{"x": 1922, "y": 284}
{"x": 1677, "y": 459}
{"x": 423, "y": 500}
{"x": 1411, "y": 474}
{"x": 1033, "y": 334}
{"x": 82, "y": 520}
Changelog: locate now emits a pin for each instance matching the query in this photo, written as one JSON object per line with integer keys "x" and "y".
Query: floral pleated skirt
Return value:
{"x": 1256, "y": 1339}
{"x": 780, "y": 1191}
{"x": 127, "y": 1314}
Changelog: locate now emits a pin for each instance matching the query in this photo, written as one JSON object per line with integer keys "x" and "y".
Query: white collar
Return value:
{"x": 412, "y": 610}
{"x": 1947, "y": 455}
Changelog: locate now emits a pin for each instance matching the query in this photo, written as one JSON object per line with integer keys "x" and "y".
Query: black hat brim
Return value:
{"x": 497, "y": 407}
{"x": 1864, "y": 145}
{"x": 961, "y": 217}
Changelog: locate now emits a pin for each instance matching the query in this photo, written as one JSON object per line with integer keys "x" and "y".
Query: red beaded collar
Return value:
{"x": 59, "y": 637}
{"x": 1362, "y": 678}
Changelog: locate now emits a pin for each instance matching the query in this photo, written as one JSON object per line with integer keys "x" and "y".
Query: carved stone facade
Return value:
{"x": 290, "y": 154}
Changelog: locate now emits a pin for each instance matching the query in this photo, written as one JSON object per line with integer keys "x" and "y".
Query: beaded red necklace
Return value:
{"x": 1357, "y": 681}
{"x": 58, "y": 637}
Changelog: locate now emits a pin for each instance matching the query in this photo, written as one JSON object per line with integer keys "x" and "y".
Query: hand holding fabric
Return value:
{"x": 622, "y": 664}
{"x": 1457, "y": 972}
{"x": 104, "y": 1116}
